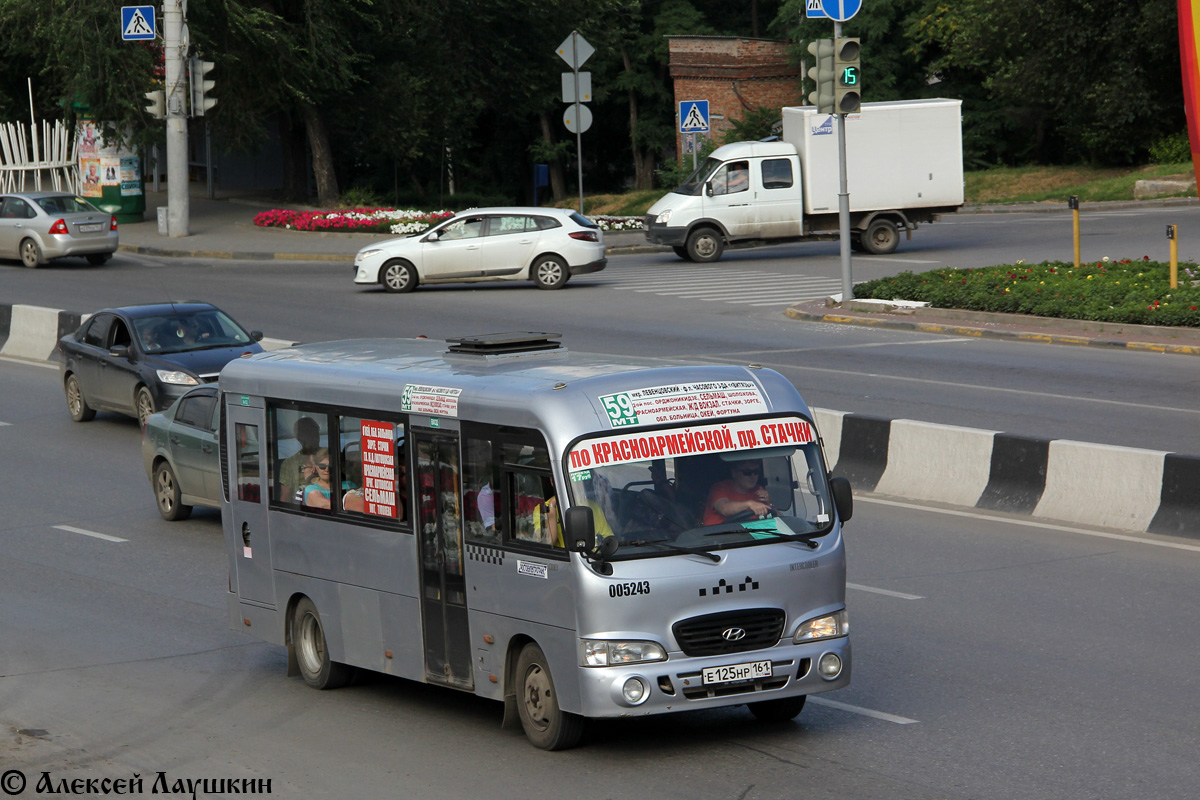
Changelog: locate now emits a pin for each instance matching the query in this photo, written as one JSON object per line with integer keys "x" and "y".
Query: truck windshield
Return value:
{"x": 694, "y": 184}
{"x": 701, "y": 493}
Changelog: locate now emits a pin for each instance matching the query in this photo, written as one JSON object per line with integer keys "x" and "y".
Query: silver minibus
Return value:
{"x": 576, "y": 536}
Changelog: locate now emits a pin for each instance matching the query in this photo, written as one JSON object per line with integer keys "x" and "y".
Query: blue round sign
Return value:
{"x": 841, "y": 10}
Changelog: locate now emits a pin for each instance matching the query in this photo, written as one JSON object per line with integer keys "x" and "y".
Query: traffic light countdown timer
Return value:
{"x": 847, "y": 76}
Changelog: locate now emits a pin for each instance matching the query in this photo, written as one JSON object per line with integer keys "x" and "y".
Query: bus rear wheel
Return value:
{"x": 312, "y": 653}
{"x": 780, "y": 710}
{"x": 546, "y": 725}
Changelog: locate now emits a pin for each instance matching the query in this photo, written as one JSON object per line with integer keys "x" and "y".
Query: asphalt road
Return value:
{"x": 993, "y": 659}
{"x": 656, "y": 305}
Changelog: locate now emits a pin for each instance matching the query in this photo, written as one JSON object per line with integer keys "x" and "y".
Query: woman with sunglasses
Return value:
{"x": 317, "y": 493}
{"x": 738, "y": 495}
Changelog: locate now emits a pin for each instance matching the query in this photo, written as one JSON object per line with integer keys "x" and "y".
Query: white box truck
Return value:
{"x": 903, "y": 165}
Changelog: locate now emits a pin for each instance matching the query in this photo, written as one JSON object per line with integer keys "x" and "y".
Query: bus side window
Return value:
{"x": 481, "y": 494}
{"x": 534, "y": 507}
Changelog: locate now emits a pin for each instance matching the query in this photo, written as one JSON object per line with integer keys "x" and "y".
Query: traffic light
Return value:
{"x": 158, "y": 104}
{"x": 847, "y": 83}
{"x": 200, "y": 87}
{"x": 822, "y": 75}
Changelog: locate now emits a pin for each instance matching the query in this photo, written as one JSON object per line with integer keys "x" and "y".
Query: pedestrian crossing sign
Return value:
{"x": 693, "y": 116}
{"x": 813, "y": 9}
{"x": 137, "y": 23}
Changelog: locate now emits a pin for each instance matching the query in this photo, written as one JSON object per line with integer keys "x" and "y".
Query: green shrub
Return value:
{"x": 360, "y": 197}
{"x": 1171, "y": 149}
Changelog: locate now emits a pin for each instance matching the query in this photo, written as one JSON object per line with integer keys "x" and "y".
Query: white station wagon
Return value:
{"x": 544, "y": 245}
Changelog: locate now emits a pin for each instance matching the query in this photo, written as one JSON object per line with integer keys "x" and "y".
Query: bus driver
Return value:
{"x": 739, "y": 494}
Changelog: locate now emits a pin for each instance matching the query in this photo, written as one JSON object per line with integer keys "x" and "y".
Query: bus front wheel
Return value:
{"x": 780, "y": 710}
{"x": 546, "y": 725}
{"x": 312, "y": 654}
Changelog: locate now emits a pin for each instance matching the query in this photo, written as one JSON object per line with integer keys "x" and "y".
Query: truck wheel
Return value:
{"x": 312, "y": 653}
{"x": 856, "y": 242}
{"x": 881, "y": 237}
{"x": 682, "y": 252}
{"x": 705, "y": 244}
{"x": 546, "y": 725}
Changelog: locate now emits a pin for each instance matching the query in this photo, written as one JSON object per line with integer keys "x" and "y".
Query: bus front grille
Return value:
{"x": 718, "y": 634}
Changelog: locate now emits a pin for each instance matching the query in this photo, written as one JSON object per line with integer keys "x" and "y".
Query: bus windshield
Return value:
{"x": 704, "y": 488}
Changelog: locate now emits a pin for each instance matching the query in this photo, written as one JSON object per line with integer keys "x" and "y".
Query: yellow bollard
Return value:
{"x": 1174, "y": 256}
{"x": 1073, "y": 204}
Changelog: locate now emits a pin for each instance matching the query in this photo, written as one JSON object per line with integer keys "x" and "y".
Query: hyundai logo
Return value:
{"x": 733, "y": 634}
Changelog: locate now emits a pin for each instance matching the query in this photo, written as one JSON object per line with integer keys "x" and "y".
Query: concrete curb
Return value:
{"x": 1057, "y": 480}
{"x": 1050, "y": 479}
{"x": 980, "y": 331}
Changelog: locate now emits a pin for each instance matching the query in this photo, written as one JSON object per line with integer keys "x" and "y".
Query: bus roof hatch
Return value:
{"x": 489, "y": 344}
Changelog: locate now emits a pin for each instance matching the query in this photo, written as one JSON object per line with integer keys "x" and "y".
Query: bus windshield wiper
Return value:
{"x": 741, "y": 527}
{"x": 691, "y": 551}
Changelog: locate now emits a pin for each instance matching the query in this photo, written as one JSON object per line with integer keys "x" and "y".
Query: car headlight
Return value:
{"x": 177, "y": 377}
{"x": 664, "y": 217}
{"x": 826, "y": 627}
{"x": 609, "y": 653}
{"x": 364, "y": 254}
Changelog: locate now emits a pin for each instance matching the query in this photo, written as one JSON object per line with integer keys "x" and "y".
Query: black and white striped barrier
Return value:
{"x": 1053, "y": 479}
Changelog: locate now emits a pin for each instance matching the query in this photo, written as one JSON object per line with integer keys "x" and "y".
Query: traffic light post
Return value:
{"x": 174, "y": 50}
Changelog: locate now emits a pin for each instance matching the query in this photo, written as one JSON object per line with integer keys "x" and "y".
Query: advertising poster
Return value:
{"x": 89, "y": 169}
{"x": 130, "y": 172}
{"x": 379, "y": 468}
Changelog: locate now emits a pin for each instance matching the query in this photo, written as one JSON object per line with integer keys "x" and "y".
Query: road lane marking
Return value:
{"x": 42, "y": 364}
{"x": 900, "y": 260}
{"x": 1029, "y": 523}
{"x": 888, "y": 592}
{"x": 866, "y": 712}
{"x": 103, "y": 536}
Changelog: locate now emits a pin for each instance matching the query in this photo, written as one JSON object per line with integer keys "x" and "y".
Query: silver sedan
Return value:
{"x": 38, "y": 226}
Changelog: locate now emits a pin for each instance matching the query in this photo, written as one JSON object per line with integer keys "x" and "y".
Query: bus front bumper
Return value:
{"x": 677, "y": 684}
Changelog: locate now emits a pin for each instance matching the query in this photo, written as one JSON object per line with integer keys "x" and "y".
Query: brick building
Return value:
{"x": 733, "y": 74}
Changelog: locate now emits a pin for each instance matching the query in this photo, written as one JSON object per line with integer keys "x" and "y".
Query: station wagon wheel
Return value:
{"x": 398, "y": 276}
{"x": 705, "y": 244}
{"x": 167, "y": 494}
{"x": 312, "y": 653}
{"x": 546, "y": 725}
{"x": 144, "y": 403}
{"x": 549, "y": 272}
{"x": 31, "y": 254}
{"x": 80, "y": 410}
{"x": 779, "y": 710}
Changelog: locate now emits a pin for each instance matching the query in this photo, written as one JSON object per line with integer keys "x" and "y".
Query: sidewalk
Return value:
{"x": 224, "y": 228}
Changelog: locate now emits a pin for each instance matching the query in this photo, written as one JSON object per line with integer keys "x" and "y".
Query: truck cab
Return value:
{"x": 744, "y": 190}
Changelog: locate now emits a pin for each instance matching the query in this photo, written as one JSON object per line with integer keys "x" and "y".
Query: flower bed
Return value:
{"x": 1129, "y": 291}
{"x": 390, "y": 220}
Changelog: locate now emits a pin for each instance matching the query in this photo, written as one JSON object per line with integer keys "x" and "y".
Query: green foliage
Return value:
{"x": 672, "y": 173}
{"x": 1126, "y": 291}
{"x": 1171, "y": 148}
{"x": 360, "y": 196}
{"x": 758, "y": 123}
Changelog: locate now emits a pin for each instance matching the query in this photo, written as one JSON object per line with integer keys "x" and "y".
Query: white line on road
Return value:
{"x": 901, "y": 260}
{"x": 93, "y": 534}
{"x": 866, "y": 712}
{"x": 889, "y": 593}
{"x": 1028, "y": 523}
{"x": 42, "y": 364}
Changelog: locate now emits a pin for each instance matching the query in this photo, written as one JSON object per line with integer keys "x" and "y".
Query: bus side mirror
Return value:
{"x": 708, "y": 188}
{"x": 843, "y": 498}
{"x": 581, "y": 529}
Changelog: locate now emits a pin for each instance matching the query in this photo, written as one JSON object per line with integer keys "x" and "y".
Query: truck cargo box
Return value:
{"x": 903, "y": 154}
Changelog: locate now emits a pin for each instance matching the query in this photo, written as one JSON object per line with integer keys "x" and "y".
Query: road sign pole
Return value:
{"x": 578, "y": 118}
{"x": 843, "y": 197}
{"x": 177, "y": 133}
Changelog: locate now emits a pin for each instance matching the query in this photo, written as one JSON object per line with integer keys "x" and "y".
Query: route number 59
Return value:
{"x": 620, "y": 410}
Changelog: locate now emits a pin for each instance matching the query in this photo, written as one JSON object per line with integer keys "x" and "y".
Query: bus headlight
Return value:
{"x": 826, "y": 627}
{"x": 609, "y": 653}
{"x": 176, "y": 377}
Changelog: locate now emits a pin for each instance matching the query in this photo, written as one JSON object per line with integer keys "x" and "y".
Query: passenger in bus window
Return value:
{"x": 291, "y": 480}
{"x": 308, "y": 474}
{"x": 318, "y": 493}
{"x": 741, "y": 493}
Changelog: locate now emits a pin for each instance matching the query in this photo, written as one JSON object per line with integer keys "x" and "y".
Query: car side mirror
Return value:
{"x": 256, "y": 336}
{"x": 433, "y": 237}
{"x": 581, "y": 529}
{"x": 708, "y": 188}
{"x": 843, "y": 498}
{"x": 119, "y": 351}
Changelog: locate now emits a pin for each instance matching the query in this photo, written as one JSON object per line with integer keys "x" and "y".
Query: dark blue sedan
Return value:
{"x": 136, "y": 360}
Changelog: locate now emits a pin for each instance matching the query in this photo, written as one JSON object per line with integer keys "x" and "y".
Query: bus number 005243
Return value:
{"x": 629, "y": 589}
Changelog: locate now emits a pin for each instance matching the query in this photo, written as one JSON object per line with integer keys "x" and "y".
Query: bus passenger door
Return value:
{"x": 443, "y": 584}
{"x": 244, "y": 473}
